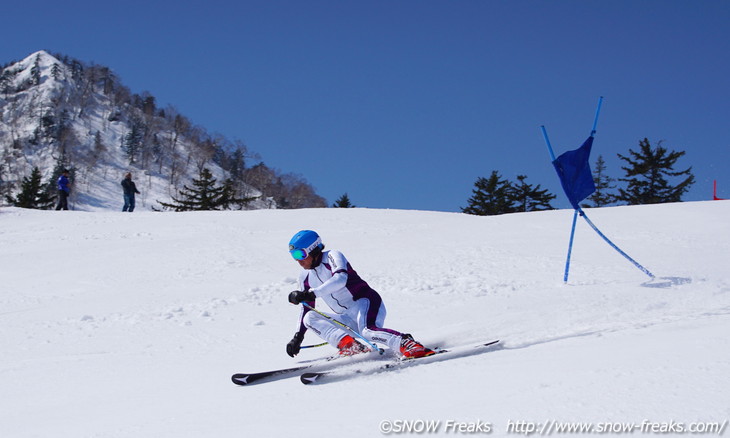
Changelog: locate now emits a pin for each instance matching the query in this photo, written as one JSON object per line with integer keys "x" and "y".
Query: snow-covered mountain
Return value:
{"x": 131, "y": 325}
{"x": 57, "y": 112}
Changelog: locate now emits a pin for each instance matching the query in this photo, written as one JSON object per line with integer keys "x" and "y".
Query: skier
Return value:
{"x": 329, "y": 276}
{"x": 130, "y": 188}
{"x": 64, "y": 190}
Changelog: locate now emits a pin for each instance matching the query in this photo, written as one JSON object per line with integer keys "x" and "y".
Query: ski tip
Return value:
{"x": 309, "y": 378}
{"x": 240, "y": 379}
{"x": 493, "y": 345}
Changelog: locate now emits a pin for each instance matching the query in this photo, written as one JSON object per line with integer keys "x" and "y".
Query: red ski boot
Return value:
{"x": 411, "y": 349}
{"x": 348, "y": 346}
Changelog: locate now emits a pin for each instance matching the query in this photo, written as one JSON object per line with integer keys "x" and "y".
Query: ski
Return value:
{"x": 244, "y": 379}
{"x": 309, "y": 378}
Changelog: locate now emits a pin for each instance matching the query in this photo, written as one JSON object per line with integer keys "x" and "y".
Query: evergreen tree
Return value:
{"x": 56, "y": 71}
{"x": 133, "y": 140}
{"x": 204, "y": 195}
{"x": 602, "y": 181}
{"x": 343, "y": 202}
{"x": 527, "y": 197}
{"x": 491, "y": 196}
{"x": 646, "y": 176}
{"x": 33, "y": 194}
{"x": 5, "y": 81}
{"x": 35, "y": 71}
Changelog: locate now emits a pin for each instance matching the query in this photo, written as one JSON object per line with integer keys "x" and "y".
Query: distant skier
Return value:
{"x": 329, "y": 276}
{"x": 64, "y": 189}
{"x": 130, "y": 188}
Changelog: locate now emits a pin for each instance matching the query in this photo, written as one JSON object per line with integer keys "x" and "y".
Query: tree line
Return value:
{"x": 205, "y": 193}
{"x": 36, "y": 194}
{"x": 649, "y": 178}
{"x": 648, "y": 174}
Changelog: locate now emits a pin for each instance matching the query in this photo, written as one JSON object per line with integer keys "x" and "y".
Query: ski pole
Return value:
{"x": 314, "y": 345}
{"x": 346, "y": 327}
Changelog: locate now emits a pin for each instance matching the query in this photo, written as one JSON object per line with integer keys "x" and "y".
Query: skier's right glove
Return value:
{"x": 293, "y": 347}
{"x": 298, "y": 296}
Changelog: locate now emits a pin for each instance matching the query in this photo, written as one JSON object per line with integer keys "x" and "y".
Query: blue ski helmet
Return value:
{"x": 304, "y": 243}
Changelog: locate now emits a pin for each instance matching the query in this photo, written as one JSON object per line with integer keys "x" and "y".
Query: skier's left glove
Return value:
{"x": 293, "y": 347}
{"x": 298, "y": 296}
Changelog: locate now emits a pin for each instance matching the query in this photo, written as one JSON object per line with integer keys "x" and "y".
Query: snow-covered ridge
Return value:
{"x": 121, "y": 325}
{"x": 62, "y": 113}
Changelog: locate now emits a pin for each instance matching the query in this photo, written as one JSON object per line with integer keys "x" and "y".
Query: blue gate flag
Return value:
{"x": 575, "y": 173}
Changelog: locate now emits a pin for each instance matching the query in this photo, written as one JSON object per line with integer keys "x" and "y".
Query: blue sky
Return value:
{"x": 404, "y": 104}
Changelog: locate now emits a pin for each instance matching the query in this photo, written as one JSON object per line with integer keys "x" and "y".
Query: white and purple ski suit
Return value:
{"x": 355, "y": 303}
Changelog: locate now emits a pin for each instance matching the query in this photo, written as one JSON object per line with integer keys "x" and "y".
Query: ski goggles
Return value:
{"x": 303, "y": 253}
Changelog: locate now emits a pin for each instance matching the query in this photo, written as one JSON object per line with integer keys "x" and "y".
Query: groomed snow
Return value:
{"x": 130, "y": 325}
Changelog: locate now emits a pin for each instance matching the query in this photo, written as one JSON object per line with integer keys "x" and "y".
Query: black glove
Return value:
{"x": 293, "y": 347}
{"x": 298, "y": 296}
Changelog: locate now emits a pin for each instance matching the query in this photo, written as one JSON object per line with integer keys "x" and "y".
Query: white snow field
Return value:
{"x": 131, "y": 325}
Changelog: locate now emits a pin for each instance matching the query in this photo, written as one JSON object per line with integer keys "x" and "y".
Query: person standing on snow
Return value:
{"x": 64, "y": 190}
{"x": 329, "y": 276}
{"x": 130, "y": 188}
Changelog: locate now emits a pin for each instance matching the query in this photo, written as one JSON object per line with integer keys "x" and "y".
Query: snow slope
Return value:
{"x": 130, "y": 325}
